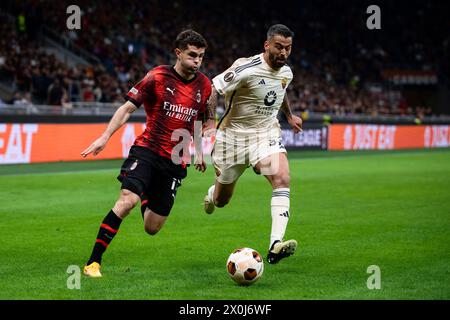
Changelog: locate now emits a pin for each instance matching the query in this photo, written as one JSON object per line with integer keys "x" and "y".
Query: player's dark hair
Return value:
{"x": 190, "y": 37}
{"x": 279, "y": 29}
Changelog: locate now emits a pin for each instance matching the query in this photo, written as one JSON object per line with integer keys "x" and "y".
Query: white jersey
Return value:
{"x": 253, "y": 93}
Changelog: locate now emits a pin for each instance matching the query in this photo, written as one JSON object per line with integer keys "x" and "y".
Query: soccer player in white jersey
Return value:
{"x": 249, "y": 132}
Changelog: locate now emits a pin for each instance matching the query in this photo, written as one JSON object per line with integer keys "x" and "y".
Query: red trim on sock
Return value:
{"x": 143, "y": 203}
{"x": 105, "y": 226}
{"x": 102, "y": 242}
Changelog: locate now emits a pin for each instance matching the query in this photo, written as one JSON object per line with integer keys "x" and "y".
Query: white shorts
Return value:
{"x": 233, "y": 152}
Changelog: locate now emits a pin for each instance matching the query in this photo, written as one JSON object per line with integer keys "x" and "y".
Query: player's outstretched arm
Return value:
{"x": 294, "y": 121}
{"x": 121, "y": 116}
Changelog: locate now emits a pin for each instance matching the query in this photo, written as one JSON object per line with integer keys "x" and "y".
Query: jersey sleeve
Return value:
{"x": 290, "y": 78}
{"x": 230, "y": 80}
{"x": 142, "y": 91}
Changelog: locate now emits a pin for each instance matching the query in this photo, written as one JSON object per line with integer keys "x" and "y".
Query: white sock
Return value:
{"x": 211, "y": 193}
{"x": 280, "y": 213}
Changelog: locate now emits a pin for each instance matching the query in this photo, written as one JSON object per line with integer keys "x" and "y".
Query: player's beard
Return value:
{"x": 276, "y": 63}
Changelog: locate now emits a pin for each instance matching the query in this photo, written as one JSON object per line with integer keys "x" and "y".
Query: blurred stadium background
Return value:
{"x": 341, "y": 67}
{"x": 357, "y": 89}
{"x": 344, "y": 72}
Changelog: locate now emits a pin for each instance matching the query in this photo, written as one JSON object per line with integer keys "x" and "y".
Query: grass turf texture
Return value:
{"x": 348, "y": 211}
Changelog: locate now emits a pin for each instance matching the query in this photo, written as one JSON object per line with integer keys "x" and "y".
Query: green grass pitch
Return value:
{"x": 348, "y": 211}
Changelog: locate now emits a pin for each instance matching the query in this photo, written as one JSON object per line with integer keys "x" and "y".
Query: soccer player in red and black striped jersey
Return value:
{"x": 174, "y": 97}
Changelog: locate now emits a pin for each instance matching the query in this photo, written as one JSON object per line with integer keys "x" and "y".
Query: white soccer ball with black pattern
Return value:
{"x": 245, "y": 266}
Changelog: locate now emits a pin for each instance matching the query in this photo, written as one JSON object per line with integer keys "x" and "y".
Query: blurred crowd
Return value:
{"x": 40, "y": 78}
{"x": 337, "y": 62}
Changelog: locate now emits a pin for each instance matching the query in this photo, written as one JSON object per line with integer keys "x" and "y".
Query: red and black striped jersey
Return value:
{"x": 171, "y": 102}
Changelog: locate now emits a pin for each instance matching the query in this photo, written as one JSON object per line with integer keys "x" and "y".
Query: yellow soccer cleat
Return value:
{"x": 92, "y": 270}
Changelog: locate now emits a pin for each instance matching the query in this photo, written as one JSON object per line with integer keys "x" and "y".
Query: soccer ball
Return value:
{"x": 245, "y": 266}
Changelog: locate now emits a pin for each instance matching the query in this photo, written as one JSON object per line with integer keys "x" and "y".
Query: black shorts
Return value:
{"x": 155, "y": 179}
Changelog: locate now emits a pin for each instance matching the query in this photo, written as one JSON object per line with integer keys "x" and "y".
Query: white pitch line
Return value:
{"x": 388, "y": 154}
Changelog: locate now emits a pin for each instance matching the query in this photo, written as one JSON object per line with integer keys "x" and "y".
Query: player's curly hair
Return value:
{"x": 190, "y": 37}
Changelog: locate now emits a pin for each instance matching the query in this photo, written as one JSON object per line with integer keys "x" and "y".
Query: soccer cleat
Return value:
{"x": 280, "y": 250}
{"x": 209, "y": 205}
{"x": 92, "y": 270}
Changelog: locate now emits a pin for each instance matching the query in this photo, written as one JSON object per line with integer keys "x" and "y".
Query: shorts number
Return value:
{"x": 175, "y": 184}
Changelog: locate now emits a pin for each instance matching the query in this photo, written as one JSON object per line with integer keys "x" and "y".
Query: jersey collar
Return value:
{"x": 185, "y": 81}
